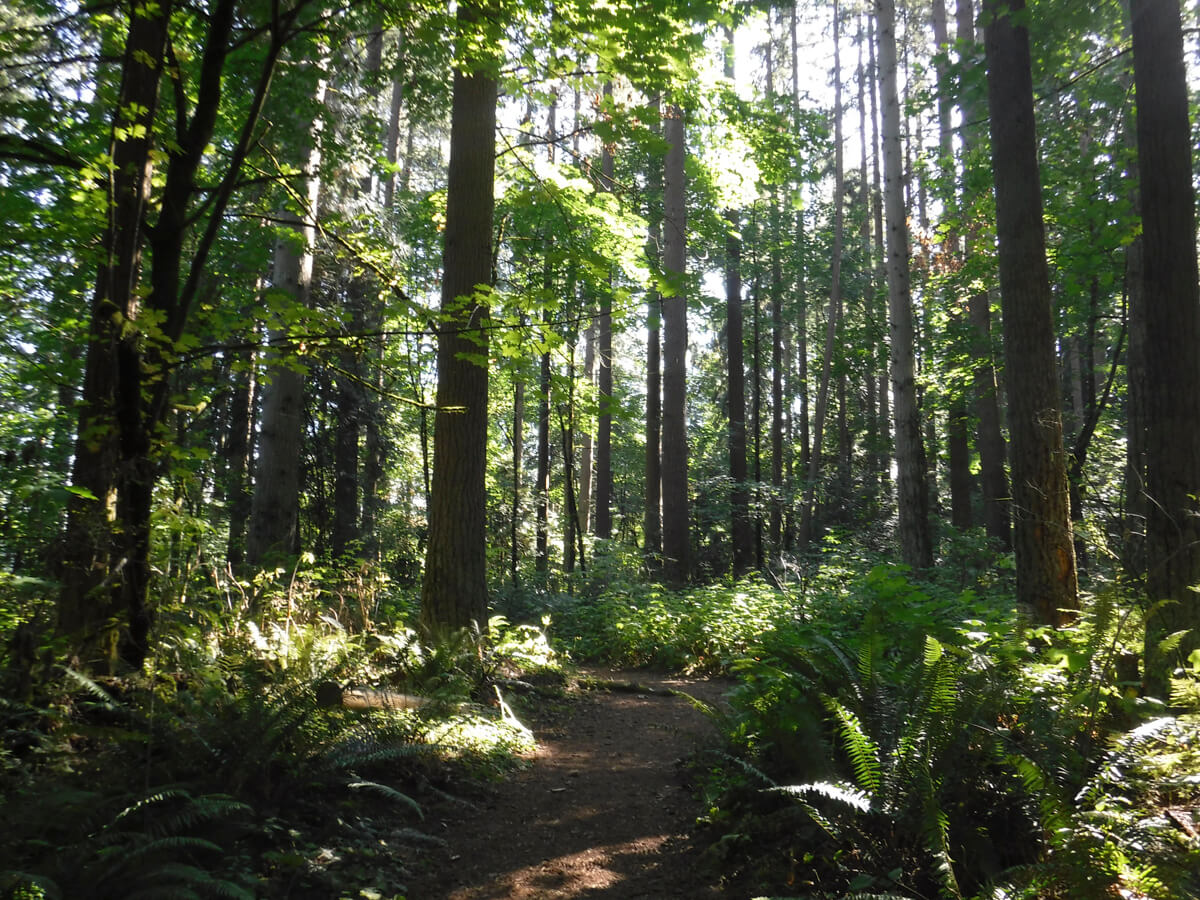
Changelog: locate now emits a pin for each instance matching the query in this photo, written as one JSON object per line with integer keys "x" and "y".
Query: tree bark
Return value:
{"x": 652, "y": 518}
{"x": 541, "y": 559}
{"x": 957, "y": 440}
{"x": 454, "y": 592}
{"x": 1170, "y": 309}
{"x": 676, "y": 556}
{"x": 587, "y": 444}
{"x": 347, "y": 427}
{"x": 742, "y": 533}
{"x": 239, "y": 454}
{"x": 1045, "y": 554}
{"x": 604, "y": 377}
{"x": 91, "y": 594}
{"x": 912, "y": 496}
{"x": 883, "y": 460}
{"x": 989, "y": 441}
{"x": 835, "y": 293}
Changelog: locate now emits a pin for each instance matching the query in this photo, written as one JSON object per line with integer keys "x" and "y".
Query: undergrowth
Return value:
{"x": 895, "y": 736}
{"x": 224, "y": 769}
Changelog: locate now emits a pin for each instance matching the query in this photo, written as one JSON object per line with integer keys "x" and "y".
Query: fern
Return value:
{"x": 844, "y": 794}
{"x": 391, "y": 794}
{"x": 863, "y": 752}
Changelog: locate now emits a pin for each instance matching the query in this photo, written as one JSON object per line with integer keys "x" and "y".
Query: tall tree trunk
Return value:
{"x": 454, "y": 592}
{"x": 347, "y": 427}
{"x": 91, "y": 585}
{"x": 135, "y": 376}
{"x": 883, "y": 461}
{"x": 518, "y": 456}
{"x": 1045, "y": 554}
{"x": 756, "y": 396}
{"x": 542, "y": 487}
{"x": 801, "y": 323}
{"x": 239, "y": 454}
{"x": 652, "y": 516}
{"x": 835, "y": 293}
{"x": 604, "y": 375}
{"x": 989, "y": 442}
{"x": 676, "y": 556}
{"x": 912, "y": 496}
{"x": 957, "y": 440}
{"x": 1171, "y": 313}
{"x": 275, "y": 510}
{"x": 587, "y": 446}
{"x": 870, "y": 411}
{"x": 742, "y": 537}
{"x": 776, "y": 504}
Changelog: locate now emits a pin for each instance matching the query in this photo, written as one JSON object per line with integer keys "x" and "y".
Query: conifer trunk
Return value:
{"x": 676, "y": 555}
{"x": 912, "y": 496}
{"x": 1045, "y": 554}
{"x": 1170, "y": 311}
{"x": 454, "y": 592}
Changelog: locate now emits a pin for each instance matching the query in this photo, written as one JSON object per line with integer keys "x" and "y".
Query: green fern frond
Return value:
{"x": 841, "y": 793}
{"x": 171, "y": 845}
{"x": 103, "y": 697}
{"x": 391, "y": 793}
{"x": 798, "y": 796}
{"x": 937, "y": 842}
{"x": 163, "y": 795}
{"x": 1056, "y": 814}
{"x": 851, "y": 670}
{"x": 346, "y": 758}
{"x": 863, "y": 752}
{"x": 1171, "y": 642}
{"x": 749, "y": 768}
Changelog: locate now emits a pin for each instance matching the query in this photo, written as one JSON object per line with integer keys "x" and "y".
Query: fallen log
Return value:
{"x": 330, "y": 695}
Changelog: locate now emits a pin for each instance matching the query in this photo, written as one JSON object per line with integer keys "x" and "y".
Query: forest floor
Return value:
{"x": 603, "y": 811}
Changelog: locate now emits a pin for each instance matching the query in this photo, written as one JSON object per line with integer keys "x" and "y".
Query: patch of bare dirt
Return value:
{"x": 603, "y": 812}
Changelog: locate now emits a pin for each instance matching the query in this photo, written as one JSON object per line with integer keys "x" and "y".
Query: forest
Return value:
{"x": 380, "y": 377}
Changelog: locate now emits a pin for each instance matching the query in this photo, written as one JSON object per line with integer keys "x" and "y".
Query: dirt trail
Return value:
{"x": 602, "y": 813}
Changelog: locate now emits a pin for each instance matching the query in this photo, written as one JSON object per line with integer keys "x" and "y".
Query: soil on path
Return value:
{"x": 602, "y": 813}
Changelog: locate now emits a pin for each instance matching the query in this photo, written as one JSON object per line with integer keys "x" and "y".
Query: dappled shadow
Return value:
{"x": 602, "y": 812}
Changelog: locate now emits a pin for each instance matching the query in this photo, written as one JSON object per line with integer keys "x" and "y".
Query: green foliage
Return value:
{"x": 638, "y": 625}
{"x": 896, "y": 736}
{"x": 215, "y": 774}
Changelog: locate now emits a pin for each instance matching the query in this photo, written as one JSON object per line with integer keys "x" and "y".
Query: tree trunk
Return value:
{"x": 347, "y": 426}
{"x": 128, "y": 383}
{"x": 883, "y": 461}
{"x": 1171, "y": 313}
{"x": 742, "y": 534}
{"x": 652, "y": 518}
{"x": 957, "y": 440}
{"x": 912, "y": 496}
{"x": 518, "y": 456}
{"x": 239, "y": 454}
{"x": 835, "y": 292}
{"x": 674, "y": 413}
{"x": 275, "y": 508}
{"x": 454, "y": 592}
{"x": 541, "y": 559}
{"x": 587, "y": 447}
{"x": 1045, "y": 555}
{"x": 91, "y": 586}
{"x": 604, "y": 378}
{"x": 801, "y": 323}
{"x": 989, "y": 442}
